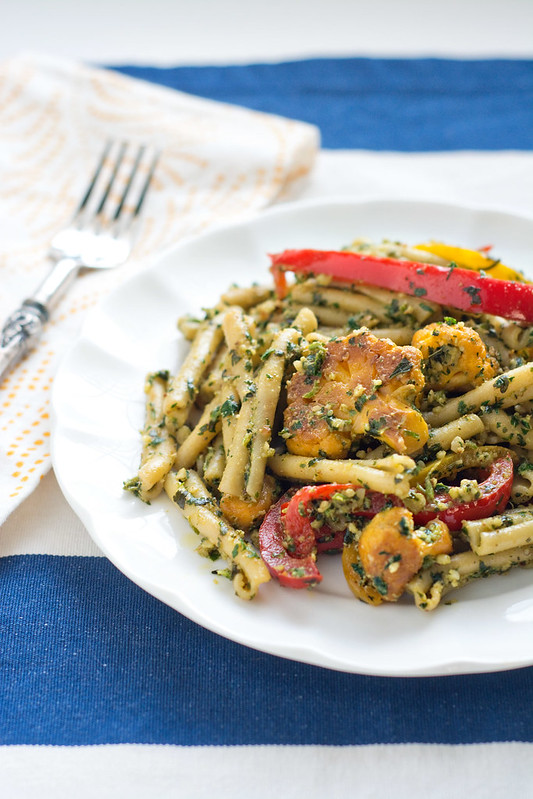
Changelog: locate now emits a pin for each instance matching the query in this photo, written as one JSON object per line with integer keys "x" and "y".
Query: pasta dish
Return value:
{"x": 377, "y": 406}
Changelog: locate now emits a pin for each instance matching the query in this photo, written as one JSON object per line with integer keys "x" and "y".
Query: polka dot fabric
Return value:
{"x": 219, "y": 163}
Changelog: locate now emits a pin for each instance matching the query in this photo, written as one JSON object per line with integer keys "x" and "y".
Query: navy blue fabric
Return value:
{"x": 380, "y": 104}
{"x": 87, "y": 657}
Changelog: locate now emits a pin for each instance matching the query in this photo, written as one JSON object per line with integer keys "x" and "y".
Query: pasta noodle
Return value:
{"x": 351, "y": 302}
{"x": 215, "y": 462}
{"x": 184, "y": 386}
{"x": 387, "y": 475}
{"x": 522, "y": 490}
{"x": 246, "y": 296}
{"x": 265, "y": 404}
{"x": 327, "y": 315}
{"x": 502, "y": 391}
{"x": 433, "y": 583}
{"x": 199, "y": 508}
{"x": 198, "y": 439}
{"x": 489, "y": 536}
{"x": 311, "y": 421}
{"x": 159, "y": 448}
{"x": 419, "y": 310}
{"x": 515, "y": 429}
{"x": 400, "y": 335}
{"x": 465, "y": 427}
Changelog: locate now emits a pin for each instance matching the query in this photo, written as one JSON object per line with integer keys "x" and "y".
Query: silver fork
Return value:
{"x": 99, "y": 236}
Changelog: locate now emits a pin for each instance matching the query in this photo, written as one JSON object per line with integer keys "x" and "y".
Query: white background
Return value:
{"x": 166, "y": 32}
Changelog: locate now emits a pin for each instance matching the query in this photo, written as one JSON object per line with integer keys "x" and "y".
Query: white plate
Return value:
{"x": 98, "y": 411}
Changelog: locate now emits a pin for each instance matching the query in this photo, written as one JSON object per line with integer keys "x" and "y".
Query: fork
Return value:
{"x": 99, "y": 236}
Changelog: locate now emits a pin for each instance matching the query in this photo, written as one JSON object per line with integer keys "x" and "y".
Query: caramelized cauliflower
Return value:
{"x": 454, "y": 356}
{"x": 351, "y": 387}
{"x": 244, "y": 514}
{"x": 389, "y": 553}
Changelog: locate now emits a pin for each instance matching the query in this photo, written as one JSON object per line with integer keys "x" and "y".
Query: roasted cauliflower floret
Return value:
{"x": 454, "y": 356}
{"x": 389, "y": 552}
{"x": 351, "y": 387}
{"x": 247, "y": 513}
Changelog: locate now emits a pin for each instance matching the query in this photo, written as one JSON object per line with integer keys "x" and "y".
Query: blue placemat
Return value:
{"x": 380, "y": 104}
{"x": 90, "y": 658}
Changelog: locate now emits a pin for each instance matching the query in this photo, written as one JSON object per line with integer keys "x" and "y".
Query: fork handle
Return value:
{"x": 55, "y": 284}
{"x": 24, "y": 327}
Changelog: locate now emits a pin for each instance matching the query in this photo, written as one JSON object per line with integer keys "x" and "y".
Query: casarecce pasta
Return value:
{"x": 338, "y": 414}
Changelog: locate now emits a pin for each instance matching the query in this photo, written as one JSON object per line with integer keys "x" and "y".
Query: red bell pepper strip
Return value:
{"x": 447, "y": 285}
{"x": 287, "y": 541}
{"x": 296, "y": 569}
{"x": 297, "y": 521}
{"x": 297, "y": 514}
{"x": 495, "y": 491}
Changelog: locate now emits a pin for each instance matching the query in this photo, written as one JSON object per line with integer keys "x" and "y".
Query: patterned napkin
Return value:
{"x": 219, "y": 163}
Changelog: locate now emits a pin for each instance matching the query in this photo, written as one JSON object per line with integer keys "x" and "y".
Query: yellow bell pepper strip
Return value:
{"x": 448, "y": 285}
{"x": 472, "y": 259}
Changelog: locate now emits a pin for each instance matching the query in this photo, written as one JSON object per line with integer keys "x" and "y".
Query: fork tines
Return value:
{"x": 120, "y": 182}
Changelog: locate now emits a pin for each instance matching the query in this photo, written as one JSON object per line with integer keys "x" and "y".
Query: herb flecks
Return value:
{"x": 401, "y": 368}
{"x": 474, "y": 294}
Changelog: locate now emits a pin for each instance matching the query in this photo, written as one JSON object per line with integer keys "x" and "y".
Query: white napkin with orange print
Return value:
{"x": 219, "y": 163}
